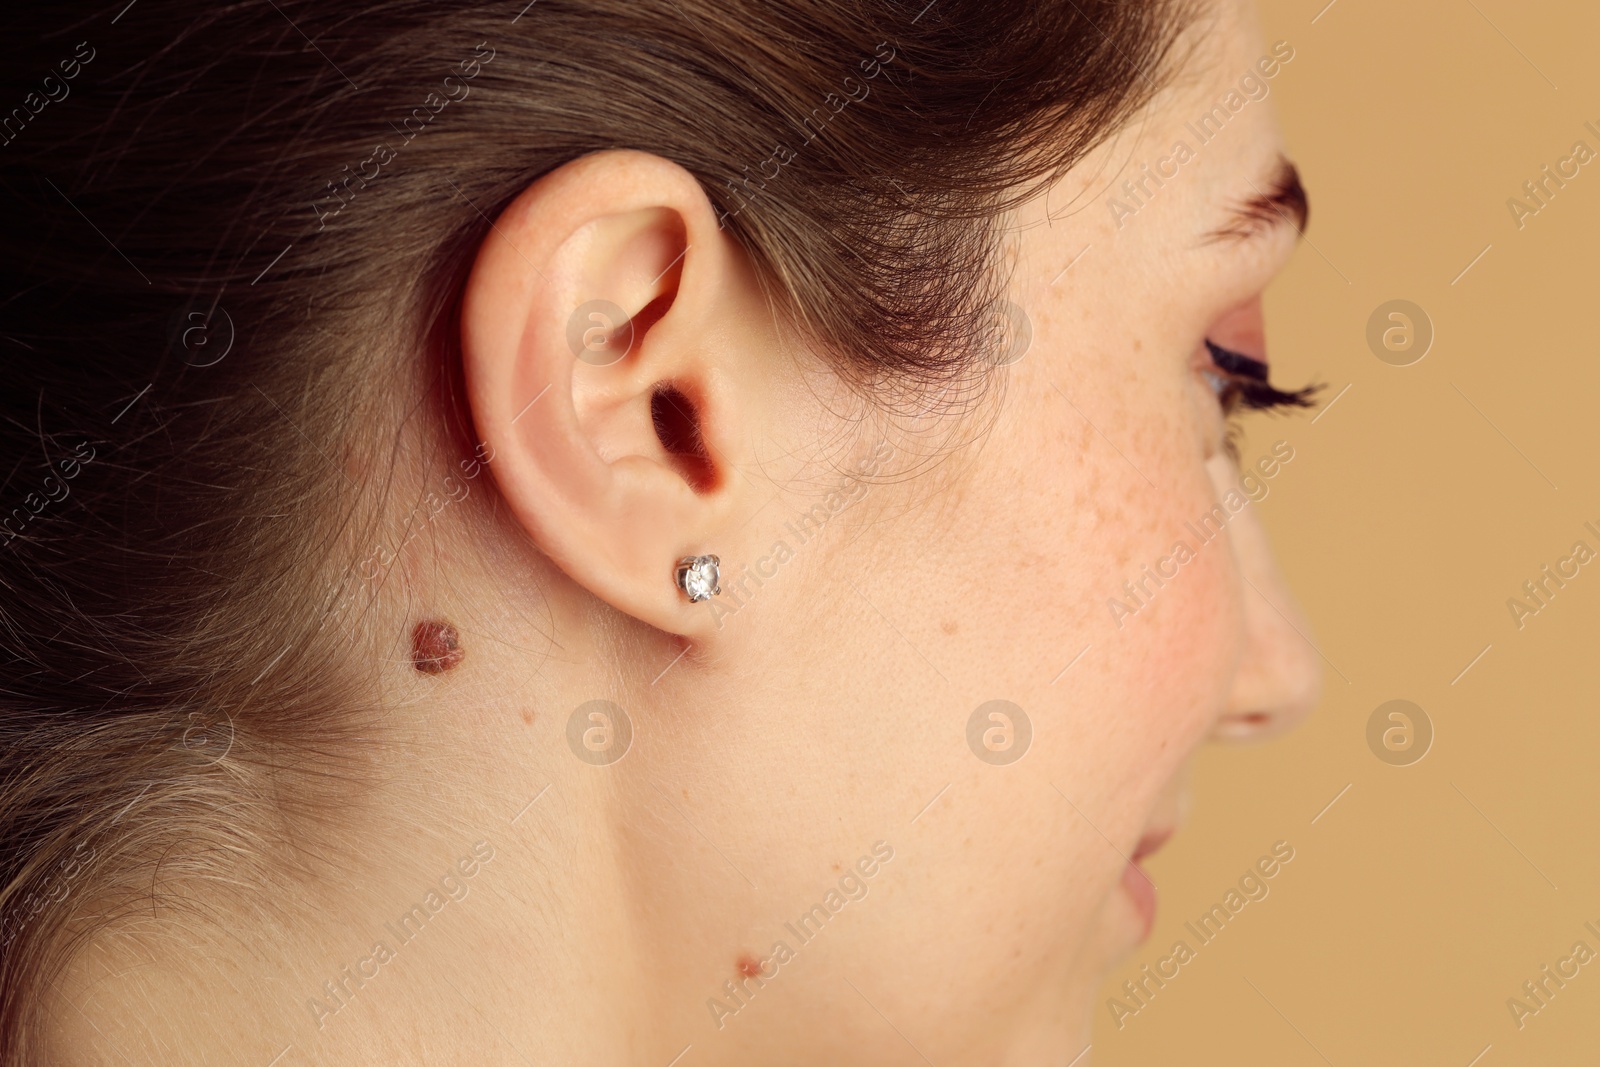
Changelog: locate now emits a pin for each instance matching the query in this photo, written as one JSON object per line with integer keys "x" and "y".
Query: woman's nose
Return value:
{"x": 1280, "y": 671}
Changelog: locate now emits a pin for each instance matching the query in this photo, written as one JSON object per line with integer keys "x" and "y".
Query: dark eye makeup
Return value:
{"x": 1243, "y": 384}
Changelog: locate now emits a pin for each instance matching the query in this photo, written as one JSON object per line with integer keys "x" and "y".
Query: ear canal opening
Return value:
{"x": 677, "y": 425}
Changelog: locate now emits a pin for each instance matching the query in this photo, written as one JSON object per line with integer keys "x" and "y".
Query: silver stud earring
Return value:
{"x": 698, "y": 577}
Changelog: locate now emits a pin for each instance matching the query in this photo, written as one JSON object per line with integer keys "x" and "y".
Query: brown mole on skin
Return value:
{"x": 435, "y": 646}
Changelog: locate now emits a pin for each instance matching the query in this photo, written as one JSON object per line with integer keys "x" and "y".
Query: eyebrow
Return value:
{"x": 1282, "y": 201}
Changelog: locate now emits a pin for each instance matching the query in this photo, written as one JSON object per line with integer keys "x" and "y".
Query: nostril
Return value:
{"x": 1246, "y": 726}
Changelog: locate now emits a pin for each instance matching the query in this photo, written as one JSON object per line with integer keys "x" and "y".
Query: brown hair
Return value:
{"x": 236, "y": 238}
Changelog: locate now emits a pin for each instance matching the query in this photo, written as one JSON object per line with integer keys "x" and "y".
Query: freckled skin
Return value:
{"x": 830, "y": 713}
{"x": 435, "y": 646}
{"x": 849, "y": 705}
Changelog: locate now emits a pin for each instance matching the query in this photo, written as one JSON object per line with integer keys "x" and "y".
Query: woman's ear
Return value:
{"x": 611, "y": 336}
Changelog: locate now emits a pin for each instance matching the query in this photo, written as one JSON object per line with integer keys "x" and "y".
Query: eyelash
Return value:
{"x": 1241, "y": 385}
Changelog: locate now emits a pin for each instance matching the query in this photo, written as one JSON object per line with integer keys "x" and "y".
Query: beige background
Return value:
{"x": 1418, "y": 503}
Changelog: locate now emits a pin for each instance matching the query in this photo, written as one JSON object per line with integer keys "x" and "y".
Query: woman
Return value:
{"x": 641, "y": 533}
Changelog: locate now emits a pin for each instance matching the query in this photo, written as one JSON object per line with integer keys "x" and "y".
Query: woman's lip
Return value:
{"x": 1140, "y": 889}
{"x": 1149, "y": 843}
{"x": 1142, "y": 892}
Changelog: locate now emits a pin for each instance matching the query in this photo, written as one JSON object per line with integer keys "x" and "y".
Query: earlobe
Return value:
{"x": 603, "y": 326}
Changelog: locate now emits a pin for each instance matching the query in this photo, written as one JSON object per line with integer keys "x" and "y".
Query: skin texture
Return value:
{"x": 789, "y": 734}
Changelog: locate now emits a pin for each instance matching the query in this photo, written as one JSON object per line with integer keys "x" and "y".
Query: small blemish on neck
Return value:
{"x": 435, "y": 646}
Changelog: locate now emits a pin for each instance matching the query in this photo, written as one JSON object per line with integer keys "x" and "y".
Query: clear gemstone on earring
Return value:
{"x": 698, "y": 577}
